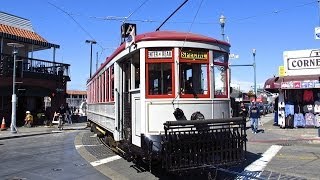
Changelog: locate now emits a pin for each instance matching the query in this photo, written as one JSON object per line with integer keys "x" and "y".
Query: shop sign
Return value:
{"x": 300, "y": 84}
{"x": 303, "y": 63}
{"x": 317, "y": 84}
{"x": 304, "y": 84}
{"x": 287, "y": 85}
{"x": 281, "y": 71}
{"x": 297, "y": 84}
{"x": 159, "y": 54}
{"x": 297, "y": 62}
{"x": 195, "y": 55}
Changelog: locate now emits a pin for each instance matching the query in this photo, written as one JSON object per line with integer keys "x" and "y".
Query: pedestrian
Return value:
{"x": 28, "y": 119}
{"x": 254, "y": 115}
{"x": 68, "y": 114}
{"x": 243, "y": 111}
{"x": 61, "y": 111}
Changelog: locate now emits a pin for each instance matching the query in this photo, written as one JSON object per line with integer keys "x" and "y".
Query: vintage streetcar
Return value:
{"x": 165, "y": 97}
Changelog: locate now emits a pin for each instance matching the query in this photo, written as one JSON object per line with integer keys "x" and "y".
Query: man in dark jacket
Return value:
{"x": 254, "y": 115}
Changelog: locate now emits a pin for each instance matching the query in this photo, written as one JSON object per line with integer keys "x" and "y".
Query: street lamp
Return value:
{"x": 91, "y": 42}
{"x": 15, "y": 47}
{"x": 254, "y": 69}
{"x": 222, "y": 21}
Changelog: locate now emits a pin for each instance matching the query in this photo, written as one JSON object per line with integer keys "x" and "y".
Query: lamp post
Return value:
{"x": 91, "y": 42}
{"x": 255, "y": 75}
{"x": 222, "y": 21}
{"x": 15, "y": 47}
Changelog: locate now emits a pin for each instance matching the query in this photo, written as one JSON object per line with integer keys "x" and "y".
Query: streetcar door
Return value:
{"x": 126, "y": 102}
{"x": 130, "y": 101}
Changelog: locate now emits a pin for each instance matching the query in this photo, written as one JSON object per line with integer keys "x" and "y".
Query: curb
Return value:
{"x": 24, "y": 135}
{"x": 39, "y": 133}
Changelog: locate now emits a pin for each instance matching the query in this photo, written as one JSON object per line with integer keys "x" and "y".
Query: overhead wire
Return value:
{"x": 273, "y": 12}
{"x": 82, "y": 28}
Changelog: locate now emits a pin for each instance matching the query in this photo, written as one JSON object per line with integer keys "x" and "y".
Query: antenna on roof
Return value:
{"x": 171, "y": 15}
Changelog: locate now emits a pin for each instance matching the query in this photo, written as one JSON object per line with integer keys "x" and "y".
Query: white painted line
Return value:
{"x": 105, "y": 161}
{"x": 79, "y": 146}
{"x": 255, "y": 168}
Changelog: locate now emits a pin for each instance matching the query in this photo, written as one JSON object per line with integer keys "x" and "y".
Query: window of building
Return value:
{"x": 194, "y": 73}
{"x": 220, "y": 74}
{"x": 159, "y": 73}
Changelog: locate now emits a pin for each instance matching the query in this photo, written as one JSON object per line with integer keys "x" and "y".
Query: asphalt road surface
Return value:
{"x": 51, "y": 156}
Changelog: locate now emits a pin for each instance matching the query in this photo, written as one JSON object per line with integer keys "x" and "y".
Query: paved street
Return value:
{"x": 50, "y": 156}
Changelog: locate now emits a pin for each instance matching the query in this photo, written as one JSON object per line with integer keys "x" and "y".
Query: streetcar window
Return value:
{"x": 220, "y": 81}
{"x": 220, "y": 57}
{"x": 107, "y": 85}
{"x": 159, "y": 73}
{"x": 112, "y": 83}
{"x": 160, "y": 79}
{"x": 220, "y": 74}
{"x": 194, "y": 73}
{"x": 136, "y": 70}
{"x": 194, "y": 79}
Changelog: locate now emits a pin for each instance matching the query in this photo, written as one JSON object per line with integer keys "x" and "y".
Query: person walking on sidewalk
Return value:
{"x": 254, "y": 115}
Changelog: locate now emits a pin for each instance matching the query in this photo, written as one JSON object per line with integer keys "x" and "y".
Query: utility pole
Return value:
{"x": 15, "y": 47}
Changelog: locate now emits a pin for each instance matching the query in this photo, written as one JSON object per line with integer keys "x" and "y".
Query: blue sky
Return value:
{"x": 269, "y": 26}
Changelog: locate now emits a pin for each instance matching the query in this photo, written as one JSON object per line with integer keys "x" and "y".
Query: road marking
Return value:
{"x": 255, "y": 168}
{"x": 105, "y": 161}
{"x": 79, "y": 146}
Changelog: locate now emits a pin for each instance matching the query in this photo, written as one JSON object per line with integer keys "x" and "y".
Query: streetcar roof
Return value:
{"x": 165, "y": 35}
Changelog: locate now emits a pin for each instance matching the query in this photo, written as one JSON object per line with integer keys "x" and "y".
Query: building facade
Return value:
{"x": 40, "y": 83}
{"x": 76, "y": 101}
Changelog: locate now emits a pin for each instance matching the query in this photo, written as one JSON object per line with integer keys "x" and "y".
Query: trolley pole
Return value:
{"x": 15, "y": 47}
{"x": 91, "y": 42}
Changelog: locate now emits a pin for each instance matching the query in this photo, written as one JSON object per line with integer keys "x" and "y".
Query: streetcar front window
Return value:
{"x": 160, "y": 79}
{"x": 194, "y": 73}
{"x": 159, "y": 73}
{"x": 194, "y": 79}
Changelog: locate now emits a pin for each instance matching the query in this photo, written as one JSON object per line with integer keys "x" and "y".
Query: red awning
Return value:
{"x": 274, "y": 83}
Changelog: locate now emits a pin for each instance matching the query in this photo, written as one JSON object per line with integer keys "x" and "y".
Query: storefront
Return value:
{"x": 299, "y": 89}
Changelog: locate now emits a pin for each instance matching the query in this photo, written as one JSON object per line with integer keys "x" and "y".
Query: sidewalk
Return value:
{"x": 40, "y": 130}
{"x": 275, "y": 134}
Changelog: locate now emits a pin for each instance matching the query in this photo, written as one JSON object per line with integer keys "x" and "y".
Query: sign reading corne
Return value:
{"x": 303, "y": 63}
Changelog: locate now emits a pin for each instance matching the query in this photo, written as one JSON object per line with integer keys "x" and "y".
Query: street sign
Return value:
{"x": 233, "y": 56}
